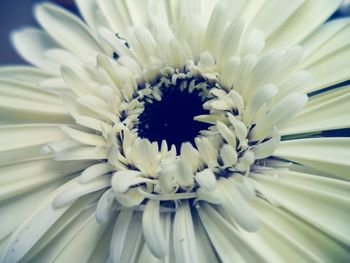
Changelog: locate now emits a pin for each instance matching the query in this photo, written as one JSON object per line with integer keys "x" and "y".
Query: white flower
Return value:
{"x": 177, "y": 131}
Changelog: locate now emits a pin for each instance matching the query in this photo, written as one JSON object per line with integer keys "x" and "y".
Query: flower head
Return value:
{"x": 177, "y": 131}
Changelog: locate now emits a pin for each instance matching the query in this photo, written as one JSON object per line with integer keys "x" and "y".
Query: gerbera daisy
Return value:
{"x": 177, "y": 131}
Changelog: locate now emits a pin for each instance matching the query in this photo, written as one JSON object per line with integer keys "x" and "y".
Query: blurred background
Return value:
{"x": 15, "y": 14}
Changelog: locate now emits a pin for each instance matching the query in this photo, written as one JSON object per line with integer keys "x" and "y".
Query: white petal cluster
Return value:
{"x": 263, "y": 183}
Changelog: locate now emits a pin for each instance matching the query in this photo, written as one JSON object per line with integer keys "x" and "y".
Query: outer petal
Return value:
{"x": 66, "y": 29}
{"x": 303, "y": 22}
{"x": 330, "y": 155}
{"x": 324, "y": 210}
{"x": 34, "y": 227}
{"x": 327, "y": 111}
{"x": 31, "y": 44}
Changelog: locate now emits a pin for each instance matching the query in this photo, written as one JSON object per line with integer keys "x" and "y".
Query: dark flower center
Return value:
{"x": 171, "y": 118}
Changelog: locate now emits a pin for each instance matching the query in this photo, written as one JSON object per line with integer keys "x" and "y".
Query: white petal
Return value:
{"x": 123, "y": 180}
{"x": 265, "y": 149}
{"x": 34, "y": 227}
{"x": 206, "y": 179}
{"x": 240, "y": 211}
{"x": 29, "y": 75}
{"x": 131, "y": 198}
{"x": 184, "y": 236}
{"x": 261, "y": 74}
{"x": 184, "y": 173}
{"x": 21, "y": 136}
{"x": 322, "y": 35}
{"x": 82, "y": 153}
{"x": 230, "y": 41}
{"x": 19, "y": 178}
{"x": 226, "y": 240}
{"x": 145, "y": 157}
{"x": 207, "y": 150}
{"x": 304, "y": 21}
{"x": 116, "y": 13}
{"x": 206, "y": 251}
{"x": 279, "y": 10}
{"x": 152, "y": 229}
{"x": 227, "y": 134}
{"x": 94, "y": 171}
{"x": 126, "y": 237}
{"x": 215, "y": 27}
{"x": 293, "y": 237}
{"x": 260, "y": 97}
{"x": 32, "y": 44}
{"x": 310, "y": 204}
{"x": 330, "y": 155}
{"x": 76, "y": 190}
{"x": 83, "y": 137}
{"x": 105, "y": 206}
{"x": 281, "y": 113}
{"x": 21, "y": 98}
{"x": 327, "y": 111}
{"x": 87, "y": 8}
{"x": 53, "y": 241}
{"x": 14, "y": 211}
{"x": 66, "y": 29}
{"x": 333, "y": 69}
{"x": 337, "y": 42}
{"x": 84, "y": 230}
{"x": 228, "y": 155}
{"x": 229, "y": 72}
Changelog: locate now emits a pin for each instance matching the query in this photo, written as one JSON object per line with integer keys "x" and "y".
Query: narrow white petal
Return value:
{"x": 76, "y": 190}
{"x": 31, "y": 44}
{"x": 126, "y": 237}
{"x": 206, "y": 179}
{"x": 310, "y": 204}
{"x": 29, "y": 75}
{"x": 305, "y": 20}
{"x": 94, "y": 171}
{"x": 331, "y": 70}
{"x": 105, "y": 206}
{"x": 82, "y": 153}
{"x": 281, "y": 113}
{"x": 328, "y": 111}
{"x": 152, "y": 229}
{"x": 265, "y": 149}
{"x": 226, "y": 240}
{"x": 330, "y": 155}
{"x": 279, "y": 10}
{"x": 19, "y": 98}
{"x": 83, "y": 137}
{"x": 323, "y": 34}
{"x": 184, "y": 237}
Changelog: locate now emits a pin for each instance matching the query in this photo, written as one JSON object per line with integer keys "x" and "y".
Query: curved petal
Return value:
{"x": 327, "y": 111}
{"x": 31, "y": 44}
{"x": 67, "y": 29}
